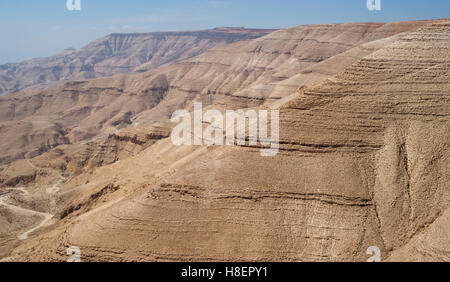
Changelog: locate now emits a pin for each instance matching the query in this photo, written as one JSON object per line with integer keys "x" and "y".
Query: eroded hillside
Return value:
{"x": 363, "y": 161}
{"x": 117, "y": 53}
{"x": 239, "y": 75}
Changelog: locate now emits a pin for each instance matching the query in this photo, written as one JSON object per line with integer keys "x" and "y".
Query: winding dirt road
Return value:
{"x": 46, "y": 216}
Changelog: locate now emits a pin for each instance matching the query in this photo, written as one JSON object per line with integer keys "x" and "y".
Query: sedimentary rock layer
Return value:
{"x": 363, "y": 161}
{"x": 239, "y": 75}
{"x": 117, "y": 53}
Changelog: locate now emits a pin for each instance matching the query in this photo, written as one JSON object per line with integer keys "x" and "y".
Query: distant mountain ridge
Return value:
{"x": 363, "y": 163}
{"x": 117, "y": 53}
{"x": 239, "y": 75}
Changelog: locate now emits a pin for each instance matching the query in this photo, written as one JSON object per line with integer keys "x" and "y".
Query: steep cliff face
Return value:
{"x": 391, "y": 108}
{"x": 116, "y": 54}
{"x": 364, "y": 161}
{"x": 238, "y": 75}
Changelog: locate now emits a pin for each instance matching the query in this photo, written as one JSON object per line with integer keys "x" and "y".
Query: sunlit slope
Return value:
{"x": 364, "y": 161}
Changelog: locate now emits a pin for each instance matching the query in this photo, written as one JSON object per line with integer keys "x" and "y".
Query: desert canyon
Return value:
{"x": 86, "y": 157}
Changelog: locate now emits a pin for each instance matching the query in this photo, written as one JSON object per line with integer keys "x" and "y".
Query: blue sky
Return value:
{"x": 40, "y": 28}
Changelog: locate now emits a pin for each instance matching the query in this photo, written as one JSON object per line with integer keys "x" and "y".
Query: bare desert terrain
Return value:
{"x": 86, "y": 157}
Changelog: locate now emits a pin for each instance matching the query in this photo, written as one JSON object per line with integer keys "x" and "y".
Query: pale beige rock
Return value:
{"x": 364, "y": 159}
{"x": 117, "y": 53}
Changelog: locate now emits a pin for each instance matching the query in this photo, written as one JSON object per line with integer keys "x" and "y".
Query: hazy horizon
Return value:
{"x": 45, "y": 28}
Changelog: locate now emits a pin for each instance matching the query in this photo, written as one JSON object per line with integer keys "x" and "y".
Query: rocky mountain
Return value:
{"x": 363, "y": 161}
{"x": 116, "y": 54}
{"x": 238, "y": 75}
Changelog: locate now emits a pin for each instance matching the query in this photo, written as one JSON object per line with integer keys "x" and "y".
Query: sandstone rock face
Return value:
{"x": 116, "y": 54}
{"x": 239, "y": 75}
{"x": 363, "y": 161}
